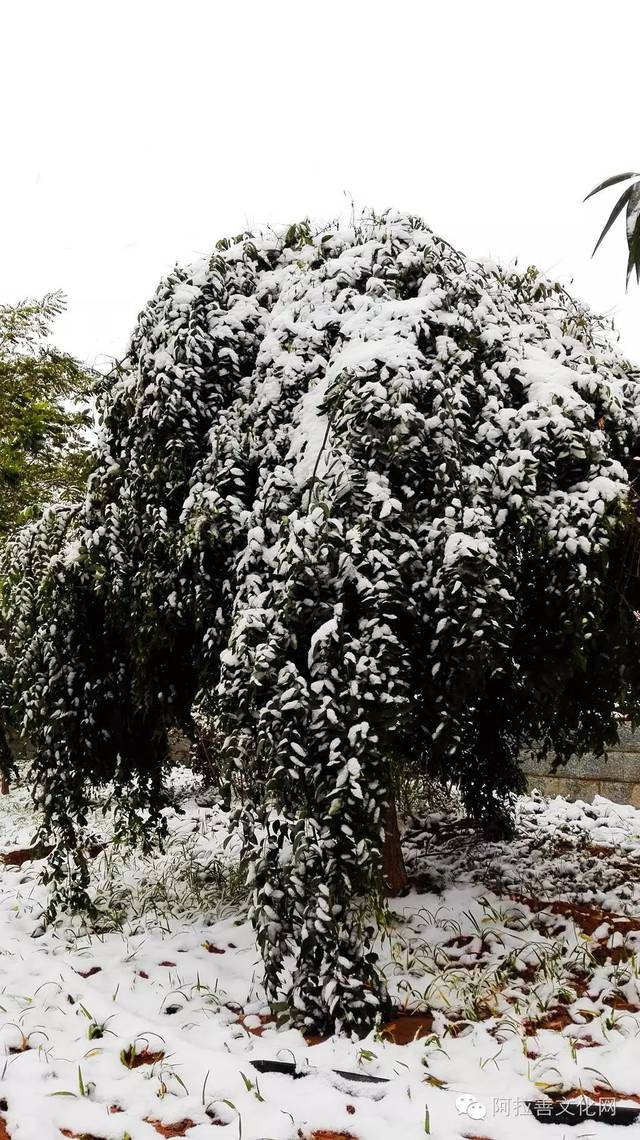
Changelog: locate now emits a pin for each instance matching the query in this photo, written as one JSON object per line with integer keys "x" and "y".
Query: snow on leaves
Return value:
{"x": 363, "y": 502}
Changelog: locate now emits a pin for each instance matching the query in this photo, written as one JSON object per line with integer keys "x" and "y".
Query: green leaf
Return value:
{"x": 633, "y": 232}
{"x": 611, "y": 182}
{"x": 633, "y": 261}
{"x": 617, "y": 209}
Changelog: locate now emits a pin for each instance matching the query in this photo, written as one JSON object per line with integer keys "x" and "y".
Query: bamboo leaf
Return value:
{"x": 634, "y": 253}
{"x": 633, "y": 210}
{"x": 611, "y": 182}
{"x": 617, "y": 209}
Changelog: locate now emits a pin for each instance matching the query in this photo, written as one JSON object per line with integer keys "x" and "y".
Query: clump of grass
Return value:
{"x": 131, "y": 890}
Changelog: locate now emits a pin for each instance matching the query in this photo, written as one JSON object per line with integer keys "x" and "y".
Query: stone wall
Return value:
{"x": 615, "y": 775}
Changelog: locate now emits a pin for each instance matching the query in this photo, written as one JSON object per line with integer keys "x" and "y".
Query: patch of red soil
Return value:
{"x": 613, "y": 954}
{"x": 553, "y": 1019}
{"x": 216, "y": 1119}
{"x": 177, "y": 1129}
{"x": 401, "y": 1030}
{"x": 601, "y": 1092}
{"x": 80, "y": 1135}
{"x": 407, "y": 1027}
{"x": 21, "y": 855}
{"x": 621, "y": 860}
{"x": 527, "y": 973}
{"x": 464, "y": 959}
{"x": 456, "y": 1028}
{"x": 601, "y": 849}
{"x": 579, "y": 979}
{"x": 256, "y": 1030}
{"x": 617, "y": 1001}
{"x": 460, "y": 941}
{"x": 211, "y": 948}
{"x": 169, "y": 964}
{"x": 588, "y": 918}
{"x": 90, "y": 972}
{"x": 325, "y": 1134}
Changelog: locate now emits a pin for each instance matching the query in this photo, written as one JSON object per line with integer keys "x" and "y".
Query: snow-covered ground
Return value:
{"x": 152, "y": 1013}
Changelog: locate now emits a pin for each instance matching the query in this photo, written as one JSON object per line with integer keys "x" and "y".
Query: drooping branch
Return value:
{"x": 361, "y": 504}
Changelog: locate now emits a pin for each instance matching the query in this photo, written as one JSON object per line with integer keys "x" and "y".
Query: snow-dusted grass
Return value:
{"x": 153, "y": 1010}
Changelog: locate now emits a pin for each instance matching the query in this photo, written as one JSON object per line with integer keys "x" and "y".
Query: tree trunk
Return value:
{"x": 6, "y": 761}
{"x": 394, "y": 873}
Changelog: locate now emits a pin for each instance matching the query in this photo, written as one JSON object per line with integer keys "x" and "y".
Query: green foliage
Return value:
{"x": 367, "y": 506}
{"x": 44, "y": 455}
{"x": 43, "y": 413}
{"x": 629, "y": 200}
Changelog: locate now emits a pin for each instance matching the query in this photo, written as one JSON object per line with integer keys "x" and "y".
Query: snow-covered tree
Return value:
{"x": 369, "y": 506}
{"x": 43, "y": 420}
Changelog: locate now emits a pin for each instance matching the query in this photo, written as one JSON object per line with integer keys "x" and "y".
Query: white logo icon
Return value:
{"x": 467, "y": 1105}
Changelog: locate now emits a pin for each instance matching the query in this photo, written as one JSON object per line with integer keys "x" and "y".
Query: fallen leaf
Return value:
{"x": 177, "y": 1129}
{"x": 146, "y": 1057}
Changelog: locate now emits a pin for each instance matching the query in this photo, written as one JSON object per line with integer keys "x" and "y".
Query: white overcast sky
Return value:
{"x": 136, "y": 133}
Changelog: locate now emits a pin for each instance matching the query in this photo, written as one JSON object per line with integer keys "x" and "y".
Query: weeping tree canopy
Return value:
{"x": 369, "y": 505}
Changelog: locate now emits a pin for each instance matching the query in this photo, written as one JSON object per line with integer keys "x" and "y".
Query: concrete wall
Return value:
{"x": 615, "y": 775}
